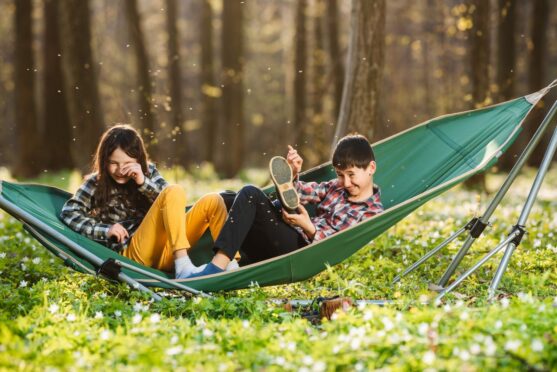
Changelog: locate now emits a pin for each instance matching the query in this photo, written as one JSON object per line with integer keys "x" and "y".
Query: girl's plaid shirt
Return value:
{"x": 78, "y": 214}
{"x": 334, "y": 212}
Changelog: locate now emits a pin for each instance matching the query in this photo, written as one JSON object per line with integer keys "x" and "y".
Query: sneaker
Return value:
{"x": 281, "y": 174}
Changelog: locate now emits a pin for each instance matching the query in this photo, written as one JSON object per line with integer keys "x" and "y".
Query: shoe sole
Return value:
{"x": 281, "y": 174}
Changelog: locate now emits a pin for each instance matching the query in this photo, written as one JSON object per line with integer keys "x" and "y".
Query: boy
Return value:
{"x": 262, "y": 230}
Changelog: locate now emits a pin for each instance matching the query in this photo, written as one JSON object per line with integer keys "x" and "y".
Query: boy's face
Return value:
{"x": 358, "y": 182}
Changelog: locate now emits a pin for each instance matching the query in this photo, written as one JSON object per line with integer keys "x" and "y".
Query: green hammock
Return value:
{"x": 412, "y": 168}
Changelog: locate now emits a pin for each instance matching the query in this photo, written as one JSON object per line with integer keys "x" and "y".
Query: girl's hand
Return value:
{"x": 294, "y": 160}
{"x": 134, "y": 171}
{"x": 301, "y": 219}
{"x": 118, "y": 232}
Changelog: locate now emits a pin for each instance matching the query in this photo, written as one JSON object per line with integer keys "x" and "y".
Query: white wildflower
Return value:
{"x": 117, "y": 313}
{"x": 174, "y": 339}
{"x": 137, "y": 319}
{"x": 355, "y": 343}
{"x": 99, "y": 315}
{"x": 307, "y": 360}
{"x": 490, "y": 347}
{"x": 537, "y": 243}
{"x": 155, "y": 318}
{"x": 23, "y": 267}
{"x": 3, "y": 255}
{"x": 23, "y": 284}
{"x": 291, "y": 346}
{"x": 36, "y": 260}
{"x": 429, "y": 357}
{"x": 53, "y": 308}
{"x": 174, "y": 350}
{"x": 359, "y": 366}
{"x": 207, "y": 332}
{"x": 475, "y": 349}
{"x": 245, "y": 324}
{"x": 71, "y": 317}
{"x": 537, "y": 345}
{"x": 423, "y": 328}
{"x": 464, "y": 315}
{"x": 505, "y": 302}
{"x": 498, "y": 324}
{"x": 319, "y": 366}
{"x": 464, "y": 355}
{"x": 512, "y": 345}
{"x": 105, "y": 334}
{"x": 389, "y": 325}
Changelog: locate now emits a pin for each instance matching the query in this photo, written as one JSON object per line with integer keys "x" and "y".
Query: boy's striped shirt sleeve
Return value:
{"x": 75, "y": 213}
{"x": 312, "y": 192}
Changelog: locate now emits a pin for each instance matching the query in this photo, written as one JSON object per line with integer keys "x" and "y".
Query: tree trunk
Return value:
{"x": 28, "y": 138}
{"x": 479, "y": 57}
{"x": 145, "y": 95}
{"x": 57, "y": 128}
{"x": 335, "y": 58}
{"x": 506, "y": 61}
{"x": 233, "y": 92}
{"x": 536, "y": 67}
{"x": 175, "y": 81}
{"x": 209, "y": 91}
{"x": 300, "y": 62}
{"x": 80, "y": 80}
{"x": 360, "y": 99}
{"x": 318, "y": 132}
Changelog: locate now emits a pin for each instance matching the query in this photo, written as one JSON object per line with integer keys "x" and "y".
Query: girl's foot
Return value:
{"x": 184, "y": 267}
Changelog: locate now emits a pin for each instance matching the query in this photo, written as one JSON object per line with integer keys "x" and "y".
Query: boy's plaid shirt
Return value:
{"x": 334, "y": 211}
{"x": 79, "y": 214}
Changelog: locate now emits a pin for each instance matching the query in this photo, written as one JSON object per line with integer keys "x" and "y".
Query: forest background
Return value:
{"x": 233, "y": 82}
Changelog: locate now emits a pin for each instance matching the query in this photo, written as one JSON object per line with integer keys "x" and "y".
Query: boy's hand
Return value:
{"x": 294, "y": 160}
{"x": 301, "y": 219}
{"x": 134, "y": 171}
{"x": 118, "y": 232}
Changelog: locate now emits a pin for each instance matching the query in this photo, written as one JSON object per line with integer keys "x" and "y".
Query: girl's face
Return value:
{"x": 117, "y": 161}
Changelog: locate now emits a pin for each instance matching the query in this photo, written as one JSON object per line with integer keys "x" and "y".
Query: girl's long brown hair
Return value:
{"x": 125, "y": 137}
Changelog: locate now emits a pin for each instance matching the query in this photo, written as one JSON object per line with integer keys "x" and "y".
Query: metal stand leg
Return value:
{"x": 82, "y": 252}
{"x": 515, "y": 237}
{"x": 550, "y": 152}
{"x": 477, "y": 225}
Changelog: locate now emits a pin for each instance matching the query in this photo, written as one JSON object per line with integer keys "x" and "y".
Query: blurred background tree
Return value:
{"x": 233, "y": 82}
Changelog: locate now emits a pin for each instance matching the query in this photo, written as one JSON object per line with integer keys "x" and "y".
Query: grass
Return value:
{"x": 53, "y": 318}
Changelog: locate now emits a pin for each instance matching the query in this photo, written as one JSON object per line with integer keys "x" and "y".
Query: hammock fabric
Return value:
{"x": 412, "y": 168}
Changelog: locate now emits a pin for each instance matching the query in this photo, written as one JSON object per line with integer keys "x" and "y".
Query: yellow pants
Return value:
{"x": 166, "y": 228}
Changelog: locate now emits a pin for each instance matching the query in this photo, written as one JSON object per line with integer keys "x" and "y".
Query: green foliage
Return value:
{"x": 54, "y": 318}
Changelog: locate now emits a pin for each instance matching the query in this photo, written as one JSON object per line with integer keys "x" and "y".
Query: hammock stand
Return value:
{"x": 414, "y": 167}
{"x": 477, "y": 225}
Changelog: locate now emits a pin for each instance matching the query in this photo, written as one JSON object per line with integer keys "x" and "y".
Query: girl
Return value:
{"x": 127, "y": 205}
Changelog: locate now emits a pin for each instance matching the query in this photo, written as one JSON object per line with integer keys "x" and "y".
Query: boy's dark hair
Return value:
{"x": 353, "y": 150}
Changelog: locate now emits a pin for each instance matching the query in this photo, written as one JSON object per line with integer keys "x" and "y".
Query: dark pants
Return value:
{"x": 255, "y": 226}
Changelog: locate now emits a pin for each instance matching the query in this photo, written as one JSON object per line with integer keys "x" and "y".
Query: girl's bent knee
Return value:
{"x": 174, "y": 193}
{"x": 213, "y": 201}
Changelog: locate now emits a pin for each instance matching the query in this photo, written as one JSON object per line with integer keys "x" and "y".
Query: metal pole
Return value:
{"x": 76, "y": 248}
{"x": 429, "y": 254}
{"x": 501, "y": 193}
{"x": 477, "y": 265}
{"x": 548, "y": 157}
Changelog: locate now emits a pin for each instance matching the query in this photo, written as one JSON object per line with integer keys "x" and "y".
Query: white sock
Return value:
{"x": 232, "y": 265}
{"x": 184, "y": 267}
